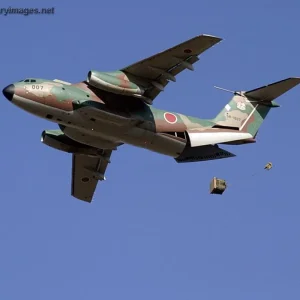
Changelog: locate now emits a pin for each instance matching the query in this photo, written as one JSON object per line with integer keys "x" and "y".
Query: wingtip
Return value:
{"x": 296, "y": 80}
{"x": 212, "y": 37}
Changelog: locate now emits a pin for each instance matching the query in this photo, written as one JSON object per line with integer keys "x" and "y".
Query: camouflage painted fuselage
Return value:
{"x": 104, "y": 120}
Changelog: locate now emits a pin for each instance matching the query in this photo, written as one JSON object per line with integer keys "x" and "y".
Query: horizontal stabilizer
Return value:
{"x": 203, "y": 153}
{"x": 272, "y": 91}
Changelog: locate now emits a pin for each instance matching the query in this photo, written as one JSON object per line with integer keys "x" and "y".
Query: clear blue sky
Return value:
{"x": 153, "y": 231}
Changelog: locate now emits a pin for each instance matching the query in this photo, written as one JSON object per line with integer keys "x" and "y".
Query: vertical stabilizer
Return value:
{"x": 246, "y": 111}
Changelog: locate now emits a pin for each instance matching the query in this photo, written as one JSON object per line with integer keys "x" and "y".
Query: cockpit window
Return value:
{"x": 28, "y": 80}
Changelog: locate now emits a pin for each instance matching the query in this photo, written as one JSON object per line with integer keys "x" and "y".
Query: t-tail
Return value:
{"x": 246, "y": 111}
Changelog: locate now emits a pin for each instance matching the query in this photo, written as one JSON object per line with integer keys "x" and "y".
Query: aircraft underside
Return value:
{"x": 105, "y": 130}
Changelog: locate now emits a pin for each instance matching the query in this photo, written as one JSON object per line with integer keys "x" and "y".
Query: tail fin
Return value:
{"x": 246, "y": 111}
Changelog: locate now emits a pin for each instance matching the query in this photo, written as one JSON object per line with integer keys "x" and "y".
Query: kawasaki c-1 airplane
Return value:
{"x": 108, "y": 109}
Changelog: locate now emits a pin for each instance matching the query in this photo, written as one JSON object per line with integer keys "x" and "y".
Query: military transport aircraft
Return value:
{"x": 108, "y": 109}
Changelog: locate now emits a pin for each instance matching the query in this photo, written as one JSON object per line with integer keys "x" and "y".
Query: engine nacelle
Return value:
{"x": 115, "y": 82}
{"x": 58, "y": 140}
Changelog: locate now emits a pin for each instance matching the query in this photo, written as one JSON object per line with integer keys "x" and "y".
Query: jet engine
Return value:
{"x": 58, "y": 140}
{"x": 117, "y": 82}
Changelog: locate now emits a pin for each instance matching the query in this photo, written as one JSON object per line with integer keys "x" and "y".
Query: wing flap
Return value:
{"x": 86, "y": 172}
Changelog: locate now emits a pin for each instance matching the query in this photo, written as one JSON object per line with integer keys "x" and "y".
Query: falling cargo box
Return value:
{"x": 217, "y": 186}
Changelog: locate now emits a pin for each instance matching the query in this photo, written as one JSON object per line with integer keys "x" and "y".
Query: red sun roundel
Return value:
{"x": 170, "y": 118}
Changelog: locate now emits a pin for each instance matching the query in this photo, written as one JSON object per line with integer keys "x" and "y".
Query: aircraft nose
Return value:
{"x": 9, "y": 91}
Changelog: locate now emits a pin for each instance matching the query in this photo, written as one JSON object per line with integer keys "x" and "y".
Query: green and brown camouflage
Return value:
{"x": 108, "y": 109}
{"x": 239, "y": 114}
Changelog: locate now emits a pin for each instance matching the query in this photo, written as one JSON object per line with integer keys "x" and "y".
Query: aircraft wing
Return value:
{"x": 164, "y": 66}
{"x": 86, "y": 172}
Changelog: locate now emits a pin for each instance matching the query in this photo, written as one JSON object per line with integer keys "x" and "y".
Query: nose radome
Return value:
{"x": 9, "y": 91}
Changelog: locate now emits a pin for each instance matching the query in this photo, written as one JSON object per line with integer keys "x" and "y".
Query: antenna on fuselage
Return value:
{"x": 229, "y": 91}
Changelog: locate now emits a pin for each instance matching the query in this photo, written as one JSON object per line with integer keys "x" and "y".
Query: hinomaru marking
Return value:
{"x": 170, "y": 118}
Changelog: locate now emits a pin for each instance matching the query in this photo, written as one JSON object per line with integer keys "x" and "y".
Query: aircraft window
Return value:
{"x": 27, "y": 80}
{"x": 32, "y": 80}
